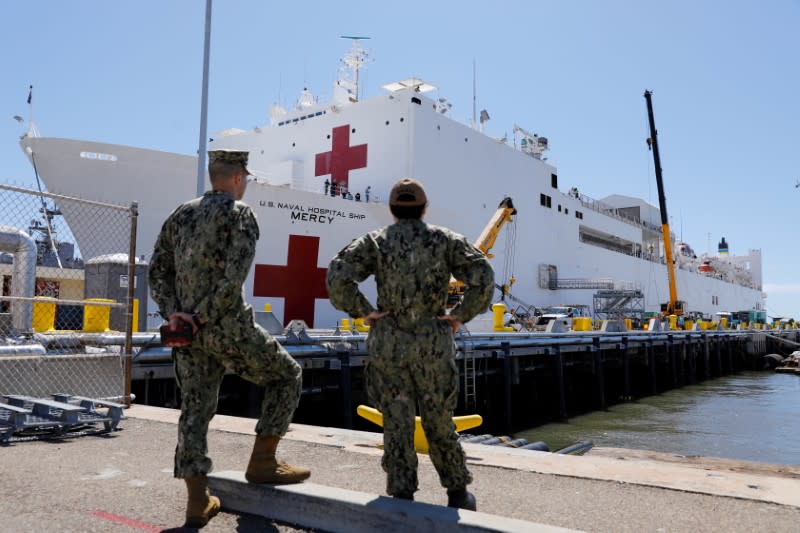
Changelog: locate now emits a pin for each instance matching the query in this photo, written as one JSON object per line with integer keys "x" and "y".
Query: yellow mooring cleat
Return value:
{"x": 420, "y": 440}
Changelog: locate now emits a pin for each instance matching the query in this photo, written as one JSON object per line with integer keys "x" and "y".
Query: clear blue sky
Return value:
{"x": 725, "y": 77}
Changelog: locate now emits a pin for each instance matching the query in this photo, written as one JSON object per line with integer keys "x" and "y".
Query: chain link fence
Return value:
{"x": 70, "y": 295}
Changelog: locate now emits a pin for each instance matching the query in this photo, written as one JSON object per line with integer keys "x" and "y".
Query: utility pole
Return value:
{"x": 201, "y": 150}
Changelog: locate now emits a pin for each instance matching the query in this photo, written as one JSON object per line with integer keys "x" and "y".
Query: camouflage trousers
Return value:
{"x": 245, "y": 349}
{"x": 407, "y": 371}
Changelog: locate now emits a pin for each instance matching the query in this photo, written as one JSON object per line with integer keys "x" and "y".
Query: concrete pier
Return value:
{"x": 123, "y": 482}
{"x": 514, "y": 380}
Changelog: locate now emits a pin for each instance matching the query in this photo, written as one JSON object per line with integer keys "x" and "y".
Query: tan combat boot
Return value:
{"x": 202, "y": 506}
{"x": 264, "y": 468}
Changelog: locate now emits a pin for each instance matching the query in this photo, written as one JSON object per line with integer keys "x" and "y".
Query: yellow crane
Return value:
{"x": 485, "y": 242}
{"x": 673, "y": 306}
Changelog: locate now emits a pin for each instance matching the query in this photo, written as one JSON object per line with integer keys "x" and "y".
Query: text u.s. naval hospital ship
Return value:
{"x": 324, "y": 171}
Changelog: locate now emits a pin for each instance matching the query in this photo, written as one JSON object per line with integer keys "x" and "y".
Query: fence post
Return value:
{"x": 128, "y": 351}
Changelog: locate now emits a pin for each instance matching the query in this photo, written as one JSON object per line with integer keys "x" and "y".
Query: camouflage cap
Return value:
{"x": 408, "y": 192}
{"x": 229, "y": 156}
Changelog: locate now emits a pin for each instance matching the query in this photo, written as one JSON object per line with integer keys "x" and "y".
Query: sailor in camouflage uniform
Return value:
{"x": 200, "y": 262}
{"x": 412, "y": 353}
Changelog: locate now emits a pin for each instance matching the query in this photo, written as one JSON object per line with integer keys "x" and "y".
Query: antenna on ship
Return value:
{"x": 353, "y": 60}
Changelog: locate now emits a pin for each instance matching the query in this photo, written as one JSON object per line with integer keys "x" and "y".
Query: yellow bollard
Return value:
{"x": 498, "y": 310}
{"x": 673, "y": 321}
{"x": 96, "y": 317}
{"x": 582, "y": 323}
{"x": 44, "y": 314}
{"x": 420, "y": 440}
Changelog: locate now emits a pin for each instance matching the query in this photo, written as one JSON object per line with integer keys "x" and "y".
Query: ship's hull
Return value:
{"x": 372, "y": 144}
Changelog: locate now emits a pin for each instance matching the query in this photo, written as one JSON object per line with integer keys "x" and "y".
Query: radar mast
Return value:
{"x": 352, "y": 63}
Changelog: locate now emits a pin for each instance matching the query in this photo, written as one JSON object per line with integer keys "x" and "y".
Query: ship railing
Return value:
{"x": 263, "y": 178}
{"x": 653, "y": 258}
{"x": 742, "y": 282}
{"x": 608, "y": 210}
{"x": 601, "y": 207}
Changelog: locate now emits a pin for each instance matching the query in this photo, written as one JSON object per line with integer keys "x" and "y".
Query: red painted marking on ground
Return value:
{"x": 127, "y": 521}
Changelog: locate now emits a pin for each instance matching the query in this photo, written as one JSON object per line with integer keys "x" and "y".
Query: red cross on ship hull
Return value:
{"x": 299, "y": 283}
{"x": 342, "y": 158}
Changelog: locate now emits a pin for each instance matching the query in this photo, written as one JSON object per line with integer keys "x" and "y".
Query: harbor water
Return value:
{"x": 749, "y": 416}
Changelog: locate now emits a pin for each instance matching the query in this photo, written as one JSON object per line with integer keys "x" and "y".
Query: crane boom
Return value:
{"x": 674, "y": 306}
{"x": 489, "y": 234}
{"x": 485, "y": 243}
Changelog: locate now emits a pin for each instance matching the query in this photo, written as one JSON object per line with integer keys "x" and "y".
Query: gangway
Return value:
{"x": 584, "y": 283}
{"x": 614, "y": 303}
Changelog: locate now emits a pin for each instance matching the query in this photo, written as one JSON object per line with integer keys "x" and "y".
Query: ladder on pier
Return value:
{"x": 470, "y": 385}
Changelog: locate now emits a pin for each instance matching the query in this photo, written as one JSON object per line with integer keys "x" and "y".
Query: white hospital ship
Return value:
{"x": 563, "y": 249}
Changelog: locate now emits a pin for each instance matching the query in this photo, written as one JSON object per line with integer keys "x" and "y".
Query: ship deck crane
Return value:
{"x": 485, "y": 243}
{"x": 531, "y": 143}
{"x": 673, "y": 306}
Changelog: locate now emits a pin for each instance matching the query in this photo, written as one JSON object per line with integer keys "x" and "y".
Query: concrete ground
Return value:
{"x": 123, "y": 482}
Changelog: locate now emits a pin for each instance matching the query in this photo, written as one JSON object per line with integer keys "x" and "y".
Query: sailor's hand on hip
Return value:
{"x": 455, "y": 323}
{"x": 373, "y": 316}
{"x": 174, "y": 318}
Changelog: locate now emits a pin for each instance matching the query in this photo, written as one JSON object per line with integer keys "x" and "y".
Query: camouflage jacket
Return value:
{"x": 202, "y": 257}
{"x": 412, "y": 263}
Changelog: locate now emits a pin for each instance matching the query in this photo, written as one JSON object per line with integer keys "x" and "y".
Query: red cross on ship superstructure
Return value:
{"x": 342, "y": 158}
{"x": 300, "y": 282}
